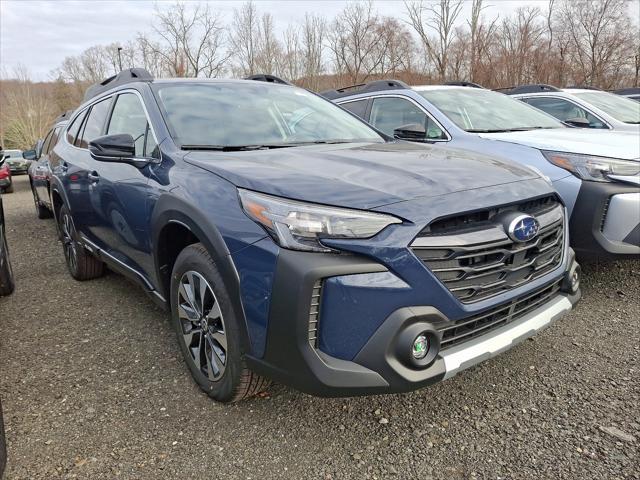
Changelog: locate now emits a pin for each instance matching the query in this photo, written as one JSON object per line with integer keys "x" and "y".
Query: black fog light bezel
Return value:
{"x": 404, "y": 345}
{"x": 568, "y": 284}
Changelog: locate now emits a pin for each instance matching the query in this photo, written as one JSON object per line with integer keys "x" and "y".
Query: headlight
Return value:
{"x": 301, "y": 226}
{"x": 589, "y": 167}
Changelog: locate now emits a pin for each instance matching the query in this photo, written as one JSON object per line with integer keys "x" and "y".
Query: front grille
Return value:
{"x": 468, "y": 328}
{"x": 314, "y": 313}
{"x": 476, "y": 260}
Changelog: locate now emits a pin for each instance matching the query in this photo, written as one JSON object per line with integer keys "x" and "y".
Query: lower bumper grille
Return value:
{"x": 480, "y": 324}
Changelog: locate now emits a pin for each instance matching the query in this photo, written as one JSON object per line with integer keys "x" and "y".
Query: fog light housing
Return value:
{"x": 571, "y": 283}
{"x": 420, "y": 347}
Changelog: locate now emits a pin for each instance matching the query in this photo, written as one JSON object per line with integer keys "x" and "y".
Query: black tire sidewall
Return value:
{"x": 195, "y": 258}
{"x": 63, "y": 212}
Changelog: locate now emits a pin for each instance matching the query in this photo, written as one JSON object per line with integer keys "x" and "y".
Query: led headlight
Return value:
{"x": 590, "y": 167}
{"x": 301, "y": 226}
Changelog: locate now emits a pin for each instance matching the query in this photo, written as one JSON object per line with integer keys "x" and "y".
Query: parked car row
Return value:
{"x": 374, "y": 250}
{"x": 595, "y": 172}
{"x": 6, "y": 288}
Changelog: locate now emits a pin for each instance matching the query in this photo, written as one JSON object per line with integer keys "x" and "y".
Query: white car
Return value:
{"x": 582, "y": 107}
{"x": 596, "y": 172}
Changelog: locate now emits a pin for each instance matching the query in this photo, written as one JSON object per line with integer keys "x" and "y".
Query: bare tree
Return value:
{"x": 601, "y": 35}
{"x": 191, "y": 41}
{"x": 244, "y": 38}
{"x": 313, "y": 35}
{"x": 269, "y": 51}
{"x": 27, "y": 110}
{"x": 355, "y": 42}
{"x": 440, "y": 19}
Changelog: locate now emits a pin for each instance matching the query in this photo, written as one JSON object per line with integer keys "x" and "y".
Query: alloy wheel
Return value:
{"x": 68, "y": 242}
{"x": 203, "y": 328}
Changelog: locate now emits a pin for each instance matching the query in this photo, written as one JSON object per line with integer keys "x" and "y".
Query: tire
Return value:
{"x": 6, "y": 274}
{"x": 42, "y": 211}
{"x": 80, "y": 263}
{"x": 215, "y": 358}
{"x": 9, "y": 189}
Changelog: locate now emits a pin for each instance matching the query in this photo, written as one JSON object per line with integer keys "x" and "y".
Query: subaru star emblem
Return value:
{"x": 523, "y": 228}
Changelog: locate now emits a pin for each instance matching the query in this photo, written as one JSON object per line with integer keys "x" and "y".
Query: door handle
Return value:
{"x": 93, "y": 177}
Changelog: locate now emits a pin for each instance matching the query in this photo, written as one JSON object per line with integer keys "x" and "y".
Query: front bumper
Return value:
{"x": 292, "y": 357}
{"x": 605, "y": 222}
{"x": 18, "y": 169}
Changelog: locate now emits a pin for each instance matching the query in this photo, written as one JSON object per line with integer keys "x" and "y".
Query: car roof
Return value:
{"x": 419, "y": 88}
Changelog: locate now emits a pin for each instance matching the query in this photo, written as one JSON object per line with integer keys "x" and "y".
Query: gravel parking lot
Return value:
{"x": 93, "y": 386}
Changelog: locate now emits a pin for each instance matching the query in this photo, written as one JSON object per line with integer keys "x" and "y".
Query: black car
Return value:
{"x": 40, "y": 168}
{"x": 6, "y": 287}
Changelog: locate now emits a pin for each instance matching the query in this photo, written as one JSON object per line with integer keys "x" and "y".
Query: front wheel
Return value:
{"x": 6, "y": 274}
{"x": 208, "y": 329}
{"x": 80, "y": 263}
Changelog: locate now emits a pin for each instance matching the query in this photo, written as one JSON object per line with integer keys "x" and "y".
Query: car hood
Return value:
{"x": 624, "y": 145}
{"x": 360, "y": 175}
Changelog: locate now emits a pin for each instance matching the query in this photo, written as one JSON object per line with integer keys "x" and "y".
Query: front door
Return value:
{"x": 118, "y": 192}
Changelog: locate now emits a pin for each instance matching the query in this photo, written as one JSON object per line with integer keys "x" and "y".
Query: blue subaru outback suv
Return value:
{"x": 292, "y": 241}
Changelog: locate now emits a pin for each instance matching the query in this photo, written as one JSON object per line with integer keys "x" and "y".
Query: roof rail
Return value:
{"x": 580, "y": 87}
{"x": 125, "y": 76}
{"x": 63, "y": 116}
{"x": 261, "y": 77}
{"x": 530, "y": 88}
{"x": 628, "y": 91}
{"x": 373, "y": 86}
{"x": 458, "y": 83}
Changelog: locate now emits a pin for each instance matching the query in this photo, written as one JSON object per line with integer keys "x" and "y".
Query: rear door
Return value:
{"x": 42, "y": 170}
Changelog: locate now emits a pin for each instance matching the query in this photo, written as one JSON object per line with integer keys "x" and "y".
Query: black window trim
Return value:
{"x": 558, "y": 97}
{"x": 405, "y": 97}
{"x": 86, "y": 111}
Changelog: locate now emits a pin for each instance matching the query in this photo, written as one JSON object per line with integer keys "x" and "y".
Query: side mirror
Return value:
{"x": 577, "y": 122}
{"x": 30, "y": 155}
{"x": 116, "y": 148}
{"x": 413, "y": 132}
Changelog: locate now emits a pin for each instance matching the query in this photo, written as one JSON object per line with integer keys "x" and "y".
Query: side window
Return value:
{"x": 95, "y": 122}
{"x": 129, "y": 117}
{"x": 389, "y": 113}
{"x": 564, "y": 110}
{"x": 357, "y": 107}
{"x": 54, "y": 140}
{"x": 46, "y": 145}
{"x": 74, "y": 128}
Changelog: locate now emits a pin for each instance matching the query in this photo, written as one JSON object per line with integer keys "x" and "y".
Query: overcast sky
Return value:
{"x": 40, "y": 34}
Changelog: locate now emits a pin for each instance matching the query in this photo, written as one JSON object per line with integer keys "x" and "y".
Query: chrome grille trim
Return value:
{"x": 468, "y": 328}
{"x": 479, "y": 262}
{"x": 314, "y": 313}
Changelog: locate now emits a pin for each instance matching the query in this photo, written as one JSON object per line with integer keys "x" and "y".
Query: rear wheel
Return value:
{"x": 41, "y": 210}
{"x": 81, "y": 264}
{"x": 9, "y": 189}
{"x": 208, "y": 329}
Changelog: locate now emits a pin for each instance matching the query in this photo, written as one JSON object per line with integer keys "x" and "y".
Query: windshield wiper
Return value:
{"x": 237, "y": 148}
{"x": 227, "y": 148}
{"x": 502, "y": 130}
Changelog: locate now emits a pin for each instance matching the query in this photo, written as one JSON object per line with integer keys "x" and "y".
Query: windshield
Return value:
{"x": 476, "y": 110}
{"x": 618, "y": 107}
{"x": 227, "y": 115}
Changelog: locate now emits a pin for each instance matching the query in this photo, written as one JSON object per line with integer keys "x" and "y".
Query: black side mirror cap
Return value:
{"x": 412, "y": 131}
{"x": 577, "y": 122}
{"x": 30, "y": 155}
{"x": 116, "y": 148}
